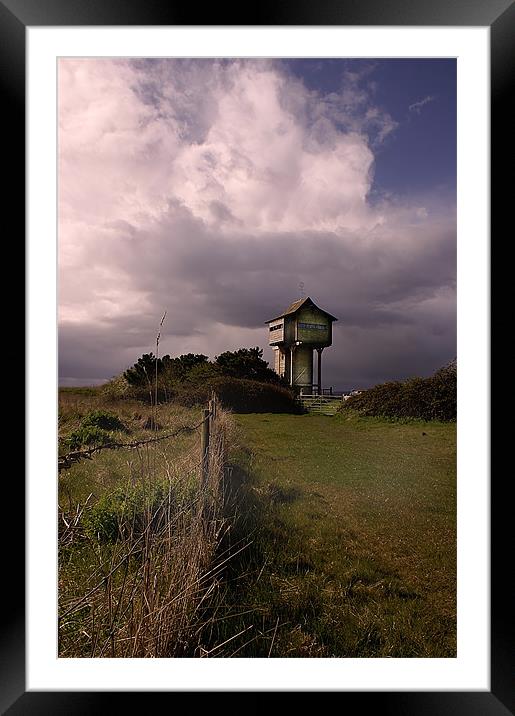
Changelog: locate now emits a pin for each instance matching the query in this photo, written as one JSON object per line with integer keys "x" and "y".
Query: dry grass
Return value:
{"x": 138, "y": 536}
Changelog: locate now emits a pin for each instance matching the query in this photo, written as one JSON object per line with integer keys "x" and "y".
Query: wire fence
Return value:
{"x": 66, "y": 461}
{"x": 140, "y": 591}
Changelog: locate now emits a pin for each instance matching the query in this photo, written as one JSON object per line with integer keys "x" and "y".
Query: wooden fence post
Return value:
{"x": 204, "y": 445}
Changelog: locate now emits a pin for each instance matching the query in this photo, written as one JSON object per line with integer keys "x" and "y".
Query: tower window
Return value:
{"x": 315, "y": 326}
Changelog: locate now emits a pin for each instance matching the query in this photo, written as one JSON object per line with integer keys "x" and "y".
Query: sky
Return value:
{"x": 211, "y": 189}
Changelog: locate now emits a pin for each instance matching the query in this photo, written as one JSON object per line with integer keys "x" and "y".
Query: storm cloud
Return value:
{"x": 210, "y": 189}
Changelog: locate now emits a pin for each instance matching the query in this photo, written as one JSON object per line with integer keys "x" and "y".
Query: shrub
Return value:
{"x": 102, "y": 419}
{"x": 115, "y": 389}
{"x": 143, "y": 373}
{"x": 189, "y": 378}
{"x": 102, "y": 521}
{"x": 432, "y": 398}
{"x": 95, "y": 429}
{"x": 200, "y": 373}
{"x": 246, "y": 363}
{"x": 241, "y": 396}
{"x": 250, "y": 396}
{"x": 128, "y": 512}
{"x": 177, "y": 368}
{"x": 88, "y": 435}
{"x": 122, "y": 513}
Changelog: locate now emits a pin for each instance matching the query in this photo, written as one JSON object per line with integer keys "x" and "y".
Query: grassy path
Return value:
{"x": 354, "y": 538}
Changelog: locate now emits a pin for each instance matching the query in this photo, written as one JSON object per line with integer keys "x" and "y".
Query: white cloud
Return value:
{"x": 210, "y": 188}
{"x": 417, "y": 106}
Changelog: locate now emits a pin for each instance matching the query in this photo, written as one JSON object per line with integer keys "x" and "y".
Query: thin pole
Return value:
{"x": 158, "y": 337}
{"x": 204, "y": 444}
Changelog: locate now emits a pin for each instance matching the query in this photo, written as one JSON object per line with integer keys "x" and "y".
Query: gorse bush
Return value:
{"x": 88, "y": 435}
{"x": 102, "y": 419}
{"x": 432, "y": 398}
{"x": 95, "y": 429}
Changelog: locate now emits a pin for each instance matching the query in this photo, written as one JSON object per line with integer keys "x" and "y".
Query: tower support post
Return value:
{"x": 319, "y": 370}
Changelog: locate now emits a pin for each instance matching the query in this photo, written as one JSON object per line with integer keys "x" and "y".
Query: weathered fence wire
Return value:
{"x": 66, "y": 461}
{"x": 143, "y": 594}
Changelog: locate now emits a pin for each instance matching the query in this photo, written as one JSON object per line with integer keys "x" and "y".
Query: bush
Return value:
{"x": 241, "y": 396}
{"x": 115, "y": 389}
{"x": 165, "y": 394}
{"x": 250, "y": 396}
{"x": 143, "y": 373}
{"x": 246, "y": 363}
{"x": 432, "y": 398}
{"x": 200, "y": 374}
{"x": 102, "y": 419}
{"x": 189, "y": 379}
{"x": 88, "y": 435}
{"x": 122, "y": 513}
{"x": 95, "y": 429}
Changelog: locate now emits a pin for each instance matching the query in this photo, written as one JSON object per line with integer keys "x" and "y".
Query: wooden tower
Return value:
{"x": 294, "y": 335}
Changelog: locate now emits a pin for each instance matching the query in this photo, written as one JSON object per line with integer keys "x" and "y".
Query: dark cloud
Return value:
{"x": 395, "y": 303}
{"x": 210, "y": 190}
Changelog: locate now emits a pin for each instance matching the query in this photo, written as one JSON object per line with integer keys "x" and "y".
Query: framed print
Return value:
{"x": 50, "y": 50}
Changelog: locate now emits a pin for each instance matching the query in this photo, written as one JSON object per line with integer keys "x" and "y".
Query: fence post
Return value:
{"x": 204, "y": 445}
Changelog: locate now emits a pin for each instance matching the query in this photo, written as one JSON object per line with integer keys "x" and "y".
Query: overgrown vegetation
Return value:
{"x": 89, "y": 435}
{"x": 123, "y": 512}
{"x": 138, "y": 534}
{"x": 241, "y": 379}
{"x": 239, "y": 395}
{"x": 247, "y": 363}
{"x": 103, "y": 419}
{"x": 432, "y": 398}
{"x": 95, "y": 428}
{"x": 168, "y": 370}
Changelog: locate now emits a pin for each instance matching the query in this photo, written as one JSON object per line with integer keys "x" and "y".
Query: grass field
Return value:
{"x": 352, "y": 523}
{"x": 342, "y": 532}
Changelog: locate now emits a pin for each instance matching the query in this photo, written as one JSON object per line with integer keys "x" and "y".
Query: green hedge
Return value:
{"x": 432, "y": 398}
{"x": 240, "y": 396}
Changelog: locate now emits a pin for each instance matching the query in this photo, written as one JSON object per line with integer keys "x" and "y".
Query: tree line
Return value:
{"x": 245, "y": 363}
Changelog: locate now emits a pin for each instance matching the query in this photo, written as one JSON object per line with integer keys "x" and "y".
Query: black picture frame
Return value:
{"x": 499, "y": 16}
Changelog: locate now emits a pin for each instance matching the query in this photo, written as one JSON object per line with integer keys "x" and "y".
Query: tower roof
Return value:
{"x": 297, "y": 305}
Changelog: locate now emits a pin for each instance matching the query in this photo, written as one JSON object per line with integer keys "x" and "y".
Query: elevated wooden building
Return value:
{"x": 294, "y": 335}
